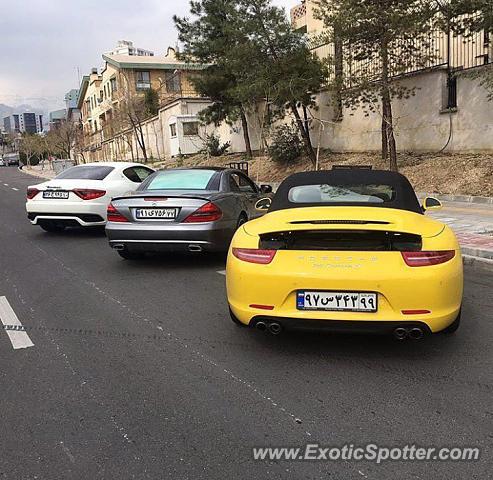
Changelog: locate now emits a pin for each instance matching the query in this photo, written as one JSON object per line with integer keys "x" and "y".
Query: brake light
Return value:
{"x": 114, "y": 215}
{"x": 31, "y": 193}
{"x": 206, "y": 213}
{"x": 425, "y": 258}
{"x": 89, "y": 194}
{"x": 254, "y": 255}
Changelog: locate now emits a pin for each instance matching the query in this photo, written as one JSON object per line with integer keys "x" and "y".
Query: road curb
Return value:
{"x": 477, "y": 252}
{"x": 478, "y": 262}
{"x": 458, "y": 198}
{"x": 34, "y": 174}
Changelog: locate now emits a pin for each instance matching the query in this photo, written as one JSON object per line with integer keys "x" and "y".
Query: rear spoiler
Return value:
{"x": 193, "y": 197}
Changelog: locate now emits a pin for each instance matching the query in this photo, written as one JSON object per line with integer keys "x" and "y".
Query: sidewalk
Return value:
{"x": 38, "y": 171}
{"x": 473, "y": 225}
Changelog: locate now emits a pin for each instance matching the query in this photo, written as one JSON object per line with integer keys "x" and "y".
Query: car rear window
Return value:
{"x": 86, "y": 172}
{"x": 182, "y": 180}
{"x": 357, "y": 193}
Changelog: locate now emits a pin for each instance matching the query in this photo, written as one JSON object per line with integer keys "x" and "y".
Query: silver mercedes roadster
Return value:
{"x": 183, "y": 209}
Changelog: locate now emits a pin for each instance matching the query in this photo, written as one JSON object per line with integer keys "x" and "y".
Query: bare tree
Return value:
{"x": 65, "y": 137}
{"x": 133, "y": 110}
{"x": 29, "y": 146}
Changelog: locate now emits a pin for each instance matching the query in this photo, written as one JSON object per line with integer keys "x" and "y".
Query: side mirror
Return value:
{"x": 265, "y": 189}
{"x": 431, "y": 203}
{"x": 263, "y": 204}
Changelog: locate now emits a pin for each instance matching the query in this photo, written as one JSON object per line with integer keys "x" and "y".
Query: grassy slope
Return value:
{"x": 470, "y": 174}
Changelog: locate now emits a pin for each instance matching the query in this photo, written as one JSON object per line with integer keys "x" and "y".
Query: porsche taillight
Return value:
{"x": 89, "y": 193}
{"x": 429, "y": 257}
{"x": 209, "y": 212}
{"x": 255, "y": 255}
{"x": 113, "y": 215}
{"x": 31, "y": 193}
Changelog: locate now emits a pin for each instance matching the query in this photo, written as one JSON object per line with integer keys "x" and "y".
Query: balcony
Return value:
{"x": 142, "y": 85}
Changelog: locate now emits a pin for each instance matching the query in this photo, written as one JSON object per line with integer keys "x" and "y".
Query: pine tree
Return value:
{"x": 381, "y": 39}
{"x": 213, "y": 38}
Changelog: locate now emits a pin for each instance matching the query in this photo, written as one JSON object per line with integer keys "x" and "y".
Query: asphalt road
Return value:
{"x": 137, "y": 372}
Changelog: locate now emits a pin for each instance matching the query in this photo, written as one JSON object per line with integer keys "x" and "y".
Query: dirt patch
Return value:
{"x": 465, "y": 174}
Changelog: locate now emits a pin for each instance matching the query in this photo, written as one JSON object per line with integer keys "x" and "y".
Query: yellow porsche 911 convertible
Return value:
{"x": 346, "y": 250}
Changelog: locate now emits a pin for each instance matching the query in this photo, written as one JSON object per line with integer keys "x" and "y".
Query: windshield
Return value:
{"x": 324, "y": 193}
{"x": 86, "y": 172}
{"x": 181, "y": 180}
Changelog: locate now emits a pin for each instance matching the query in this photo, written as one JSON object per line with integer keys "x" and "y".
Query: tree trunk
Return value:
{"x": 339, "y": 74}
{"x": 246, "y": 134}
{"x": 387, "y": 120}
{"x": 305, "y": 134}
{"x": 385, "y": 142}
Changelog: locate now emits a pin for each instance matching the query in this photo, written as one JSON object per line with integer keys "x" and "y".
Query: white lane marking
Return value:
{"x": 16, "y": 189}
{"x": 6, "y": 184}
{"x": 221, "y": 272}
{"x": 18, "y": 338}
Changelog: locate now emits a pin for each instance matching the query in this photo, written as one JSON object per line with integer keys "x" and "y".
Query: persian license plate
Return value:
{"x": 55, "y": 194}
{"x": 336, "y": 301}
{"x": 158, "y": 213}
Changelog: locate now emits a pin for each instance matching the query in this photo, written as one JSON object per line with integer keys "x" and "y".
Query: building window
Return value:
{"x": 172, "y": 130}
{"x": 143, "y": 80}
{"x": 190, "y": 129}
{"x": 452, "y": 92}
{"x": 113, "y": 84}
{"x": 173, "y": 82}
{"x": 449, "y": 96}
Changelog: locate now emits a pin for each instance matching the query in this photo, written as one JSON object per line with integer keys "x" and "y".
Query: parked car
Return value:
{"x": 346, "y": 250}
{"x": 80, "y": 195}
{"x": 10, "y": 159}
{"x": 188, "y": 209}
{"x": 2, "y": 162}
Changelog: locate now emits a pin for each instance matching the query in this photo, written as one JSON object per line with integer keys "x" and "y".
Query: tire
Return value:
{"x": 52, "y": 227}
{"x": 241, "y": 220}
{"x": 130, "y": 255}
{"x": 453, "y": 327}
{"x": 235, "y": 320}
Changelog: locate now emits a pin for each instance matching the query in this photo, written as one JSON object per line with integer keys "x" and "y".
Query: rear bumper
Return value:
{"x": 164, "y": 238}
{"x": 67, "y": 219}
{"x": 70, "y": 213}
{"x": 400, "y": 288}
{"x": 339, "y": 326}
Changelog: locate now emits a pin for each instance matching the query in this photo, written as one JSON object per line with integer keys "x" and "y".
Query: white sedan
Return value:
{"x": 80, "y": 195}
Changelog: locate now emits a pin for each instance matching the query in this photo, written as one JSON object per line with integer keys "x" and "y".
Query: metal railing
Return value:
{"x": 439, "y": 49}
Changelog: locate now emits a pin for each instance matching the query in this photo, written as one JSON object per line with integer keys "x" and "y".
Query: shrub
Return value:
{"x": 286, "y": 145}
{"x": 213, "y": 145}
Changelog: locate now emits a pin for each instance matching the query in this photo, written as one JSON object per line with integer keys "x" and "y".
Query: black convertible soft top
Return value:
{"x": 404, "y": 197}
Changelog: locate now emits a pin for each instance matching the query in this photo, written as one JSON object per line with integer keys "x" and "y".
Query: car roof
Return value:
{"x": 215, "y": 169}
{"x": 404, "y": 199}
{"x": 111, "y": 164}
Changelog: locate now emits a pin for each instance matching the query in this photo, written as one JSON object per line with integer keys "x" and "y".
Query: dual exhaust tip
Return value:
{"x": 191, "y": 248}
{"x": 275, "y": 328}
{"x": 414, "y": 333}
{"x": 400, "y": 333}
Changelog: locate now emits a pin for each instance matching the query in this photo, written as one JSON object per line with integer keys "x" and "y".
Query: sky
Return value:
{"x": 45, "y": 43}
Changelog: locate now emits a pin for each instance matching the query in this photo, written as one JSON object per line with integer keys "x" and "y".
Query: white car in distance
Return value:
{"x": 80, "y": 195}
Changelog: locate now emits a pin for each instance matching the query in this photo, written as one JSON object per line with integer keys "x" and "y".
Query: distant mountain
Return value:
{"x": 5, "y": 111}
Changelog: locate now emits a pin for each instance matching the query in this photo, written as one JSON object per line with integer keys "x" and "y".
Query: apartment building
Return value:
{"x": 125, "y": 47}
{"x": 450, "y": 109}
{"x": 71, "y": 107}
{"x": 56, "y": 118}
{"x": 26, "y": 122}
{"x": 106, "y": 97}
